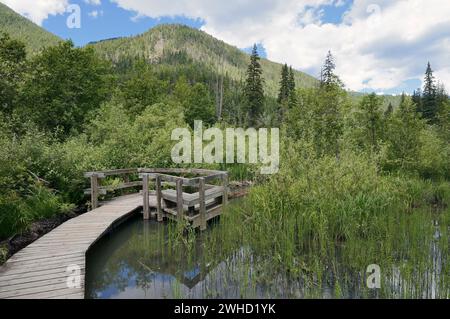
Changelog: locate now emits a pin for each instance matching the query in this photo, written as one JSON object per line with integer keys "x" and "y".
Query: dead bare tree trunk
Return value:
{"x": 219, "y": 89}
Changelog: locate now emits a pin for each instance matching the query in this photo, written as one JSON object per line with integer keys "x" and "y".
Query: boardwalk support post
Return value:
{"x": 145, "y": 195}
{"x": 202, "y": 204}
{"x": 94, "y": 191}
{"x": 159, "y": 198}
{"x": 225, "y": 189}
{"x": 180, "y": 211}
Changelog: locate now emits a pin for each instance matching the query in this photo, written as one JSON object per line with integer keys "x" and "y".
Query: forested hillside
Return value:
{"x": 182, "y": 44}
{"x": 23, "y": 29}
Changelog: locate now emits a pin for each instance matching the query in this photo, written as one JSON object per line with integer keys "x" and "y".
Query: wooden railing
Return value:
{"x": 162, "y": 177}
{"x": 97, "y": 189}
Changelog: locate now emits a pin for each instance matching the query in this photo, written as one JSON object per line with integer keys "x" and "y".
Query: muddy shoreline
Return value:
{"x": 35, "y": 231}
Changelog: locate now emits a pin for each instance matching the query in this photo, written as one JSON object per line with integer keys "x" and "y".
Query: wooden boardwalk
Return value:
{"x": 47, "y": 267}
{"x": 41, "y": 269}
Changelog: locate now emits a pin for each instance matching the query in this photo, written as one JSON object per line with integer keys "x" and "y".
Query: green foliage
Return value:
{"x": 18, "y": 212}
{"x": 3, "y": 254}
{"x": 123, "y": 142}
{"x": 196, "y": 101}
{"x": 433, "y": 158}
{"x": 318, "y": 117}
{"x": 142, "y": 88}
{"x": 63, "y": 86}
{"x": 25, "y": 197}
{"x": 12, "y": 64}
{"x": 369, "y": 122}
{"x": 403, "y": 132}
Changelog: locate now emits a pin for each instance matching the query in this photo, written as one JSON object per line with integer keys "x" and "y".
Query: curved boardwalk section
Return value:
{"x": 43, "y": 269}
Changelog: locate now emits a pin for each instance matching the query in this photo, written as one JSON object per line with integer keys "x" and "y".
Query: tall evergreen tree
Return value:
{"x": 389, "y": 110}
{"x": 429, "y": 105}
{"x": 417, "y": 100}
{"x": 327, "y": 76}
{"x": 283, "y": 95}
{"x": 292, "y": 89}
{"x": 291, "y": 81}
{"x": 254, "y": 90}
{"x": 328, "y": 119}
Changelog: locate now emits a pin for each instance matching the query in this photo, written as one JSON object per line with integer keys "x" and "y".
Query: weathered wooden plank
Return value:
{"x": 36, "y": 255}
{"x": 37, "y": 274}
{"x": 110, "y": 188}
{"x": 35, "y": 292}
{"x": 30, "y": 283}
{"x": 112, "y": 172}
{"x": 29, "y": 265}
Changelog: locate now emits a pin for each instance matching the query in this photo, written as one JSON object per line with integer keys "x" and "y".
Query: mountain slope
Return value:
{"x": 163, "y": 40}
{"x": 22, "y": 29}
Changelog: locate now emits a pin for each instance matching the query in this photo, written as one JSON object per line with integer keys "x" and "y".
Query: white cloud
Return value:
{"x": 95, "y": 14}
{"x": 37, "y": 10}
{"x": 93, "y": 2}
{"x": 378, "y": 45}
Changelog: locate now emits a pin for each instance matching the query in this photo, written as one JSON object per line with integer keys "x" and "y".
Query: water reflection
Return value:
{"x": 138, "y": 261}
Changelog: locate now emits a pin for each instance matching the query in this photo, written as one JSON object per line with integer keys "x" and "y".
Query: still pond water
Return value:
{"x": 135, "y": 261}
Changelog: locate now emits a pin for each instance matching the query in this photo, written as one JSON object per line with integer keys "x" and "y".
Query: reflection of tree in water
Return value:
{"x": 138, "y": 252}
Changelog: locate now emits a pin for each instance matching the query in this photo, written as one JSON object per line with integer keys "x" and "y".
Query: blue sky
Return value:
{"x": 379, "y": 45}
{"x": 110, "y": 22}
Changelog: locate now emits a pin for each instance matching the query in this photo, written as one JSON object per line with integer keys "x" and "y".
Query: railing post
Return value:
{"x": 145, "y": 195}
{"x": 159, "y": 198}
{"x": 94, "y": 191}
{"x": 180, "y": 210}
{"x": 201, "y": 190}
{"x": 225, "y": 189}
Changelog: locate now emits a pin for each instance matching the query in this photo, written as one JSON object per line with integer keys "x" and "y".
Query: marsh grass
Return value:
{"x": 320, "y": 223}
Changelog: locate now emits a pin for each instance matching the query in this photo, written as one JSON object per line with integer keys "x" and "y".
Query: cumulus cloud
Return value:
{"x": 379, "y": 44}
{"x": 37, "y": 10}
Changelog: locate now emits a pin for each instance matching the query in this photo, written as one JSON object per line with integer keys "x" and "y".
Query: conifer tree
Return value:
{"x": 327, "y": 76}
{"x": 389, "y": 110}
{"x": 291, "y": 82}
{"x": 283, "y": 95}
{"x": 429, "y": 107}
{"x": 292, "y": 89}
{"x": 328, "y": 119}
{"x": 417, "y": 99}
{"x": 254, "y": 90}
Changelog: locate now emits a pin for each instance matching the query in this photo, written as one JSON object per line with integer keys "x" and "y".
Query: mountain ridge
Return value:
{"x": 20, "y": 28}
{"x": 200, "y": 46}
